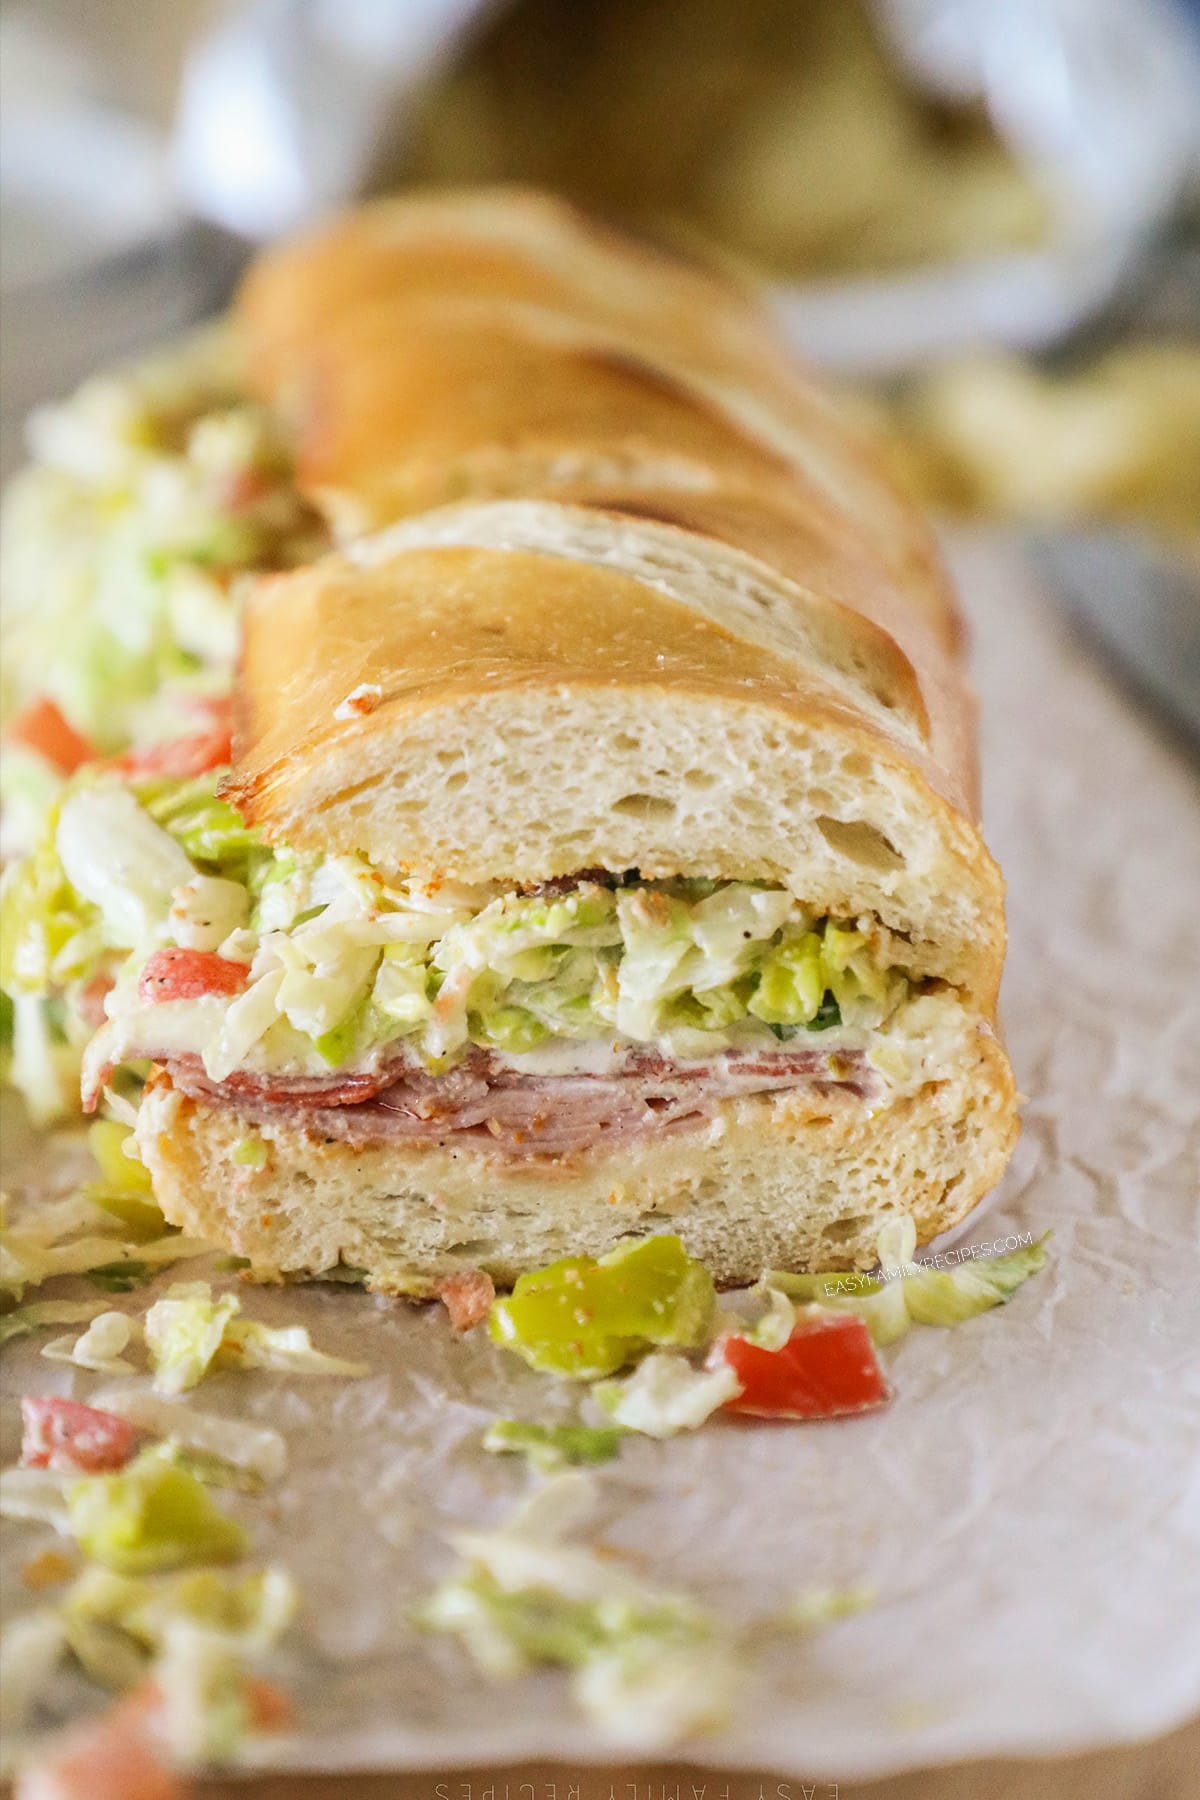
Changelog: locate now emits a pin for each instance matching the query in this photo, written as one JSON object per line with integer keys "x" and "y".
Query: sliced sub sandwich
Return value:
{"x": 599, "y": 852}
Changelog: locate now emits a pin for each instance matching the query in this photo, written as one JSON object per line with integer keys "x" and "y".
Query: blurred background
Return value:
{"x": 982, "y": 216}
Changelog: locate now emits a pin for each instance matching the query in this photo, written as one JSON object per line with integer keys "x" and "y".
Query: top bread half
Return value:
{"x": 633, "y": 595}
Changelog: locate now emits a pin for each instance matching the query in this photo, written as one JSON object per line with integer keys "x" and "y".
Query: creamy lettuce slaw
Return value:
{"x": 333, "y": 964}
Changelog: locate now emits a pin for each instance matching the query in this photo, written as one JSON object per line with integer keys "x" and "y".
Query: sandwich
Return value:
{"x": 598, "y": 851}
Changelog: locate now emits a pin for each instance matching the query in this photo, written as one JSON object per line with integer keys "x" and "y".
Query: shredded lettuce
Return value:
{"x": 49, "y": 932}
{"x": 881, "y": 1304}
{"x": 259, "y": 1450}
{"x": 43, "y": 1066}
{"x": 209, "y": 830}
{"x": 666, "y": 1395}
{"x": 819, "y": 1607}
{"x": 190, "y": 1330}
{"x": 35, "y": 1495}
{"x": 116, "y": 857}
{"x": 31, "y": 1649}
{"x": 124, "y": 1190}
{"x": 120, "y": 1277}
{"x": 552, "y": 1447}
{"x": 774, "y": 1326}
{"x": 343, "y": 962}
{"x": 254, "y": 1608}
{"x": 184, "y": 1331}
{"x": 194, "y": 1633}
{"x": 947, "y": 1296}
{"x": 202, "y": 1679}
{"x": 41, "y": 1313}
{"x": 148, "y": 492}
{"x": 586, "y": 1317}
{"x": 100, "y": 1348}
{"x": 29, "y": 1257}
{"x": 906, "y": 1292}
{"x": 249, "y": 1344}
{"x": 647, "y": 1667}
{"x": 206, "y": 910}
{"x": 150, "y": 1516}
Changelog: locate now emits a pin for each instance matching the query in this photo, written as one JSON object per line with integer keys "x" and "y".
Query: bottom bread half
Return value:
{"x": 787, "y": 1181}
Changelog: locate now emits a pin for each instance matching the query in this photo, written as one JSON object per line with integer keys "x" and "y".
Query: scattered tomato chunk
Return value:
{"x": 73, "y": 1438}
{"x": 195, "y": 753}
{"x": 827, "y": 1367}
{"x": 41, "y": 727}
{"x": 268, "y": 1707}
{"x": 113, "y": 1758}
{"x": 467, "y": 1297}
{"x": 189, "y": 975}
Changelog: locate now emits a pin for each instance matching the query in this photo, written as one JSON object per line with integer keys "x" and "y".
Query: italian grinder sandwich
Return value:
{"x": 598, "y": 853}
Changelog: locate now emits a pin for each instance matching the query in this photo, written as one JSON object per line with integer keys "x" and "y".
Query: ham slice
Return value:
{"x": 490, "y": 1103}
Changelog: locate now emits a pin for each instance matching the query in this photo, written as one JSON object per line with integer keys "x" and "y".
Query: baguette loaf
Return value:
{"x": 618, "y": 593}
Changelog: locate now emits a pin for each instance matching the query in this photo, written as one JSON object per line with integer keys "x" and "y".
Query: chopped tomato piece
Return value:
{"x": 189, "y": 975}
{"x": 467, "y": 1297}
{"x": 41, "y": 727}
{"x": 268, "y": 1707}
{"x": 195, "y": 753}
{"x": 73, "y": 1438}
{"x": 245, "y": 489}
{"x": 113, "y": 1758}
{"x": 828, "y": 1366}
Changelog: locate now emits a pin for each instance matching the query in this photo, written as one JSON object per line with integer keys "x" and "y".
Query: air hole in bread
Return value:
{"x": 844, "y": 1231}
{"x": 625, "y": 740}
{"x": 860, "y": 842}
{"x": 700, "y": 779}
{"x": 454, "y": 782}
{"x": 644, "y": 806}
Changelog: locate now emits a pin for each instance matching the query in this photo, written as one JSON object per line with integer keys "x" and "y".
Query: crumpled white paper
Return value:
{"x": 1028, "y": 1508}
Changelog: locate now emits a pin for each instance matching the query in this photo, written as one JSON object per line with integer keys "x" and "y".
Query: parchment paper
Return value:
{"x": 1028, "y": 1508}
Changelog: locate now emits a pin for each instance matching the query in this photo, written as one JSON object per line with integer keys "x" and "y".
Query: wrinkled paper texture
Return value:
{"x": 1028, "y": 1509}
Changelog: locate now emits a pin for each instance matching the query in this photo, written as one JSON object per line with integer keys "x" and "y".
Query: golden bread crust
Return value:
{"x": 420, "y": 344}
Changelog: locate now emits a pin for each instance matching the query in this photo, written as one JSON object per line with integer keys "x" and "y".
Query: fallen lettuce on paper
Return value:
{"x": 648, "y": 1667}
{"x": 191, "y": 1330}
{"x": 41, "y": 1313}
{"x": 665, "y": 1395}
{"x": 907, "y": 1293}
{"x": 101, "y": 1348}
{"x": 551, "y": 1447}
